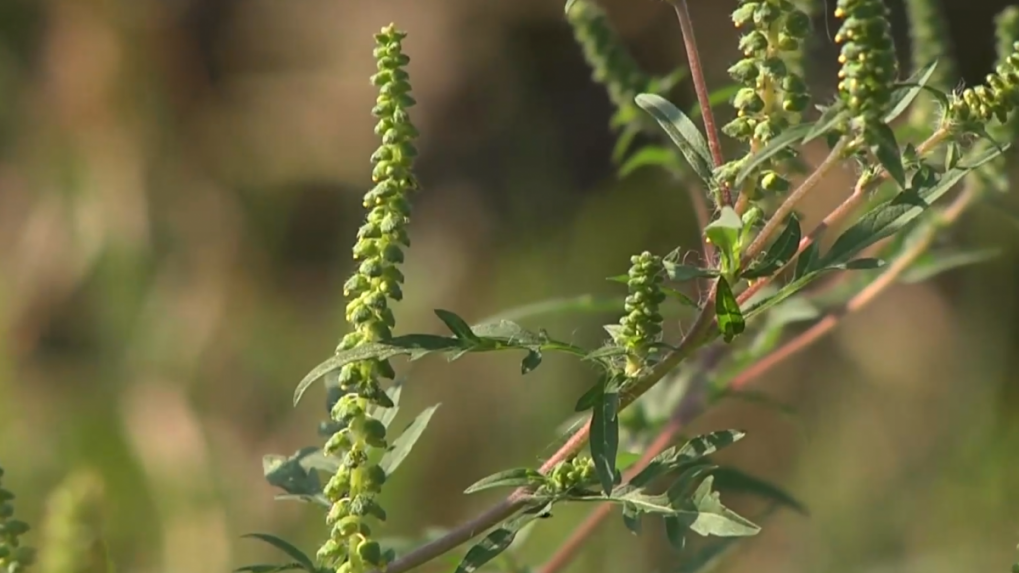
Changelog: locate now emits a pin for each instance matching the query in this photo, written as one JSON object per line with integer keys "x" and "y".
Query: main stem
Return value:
{"x": 693, "y": 57}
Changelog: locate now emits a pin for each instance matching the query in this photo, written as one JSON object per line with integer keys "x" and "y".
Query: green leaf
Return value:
{"x": 497, "y": 541}
{"x": 707, "y": 444}
{"x": 457, "y": 325}
{"x": 864, "y": 264}
{"x": 517, "y": 477}
{"x": 724, "y": 232}
{"x": 531, "y": 361}
{"x": 317, "y": 499}
{"x": 730, "y": 478}
{"x": 934, "y": 264}
{"x": 401, "y": 446}
{"x": 632, "y": 518}
{"x": 290, "y": 473}
{"x": 780, "y": 252}
{"x": 830, "y": 117}
{"x": 675, "y": 532}
{"x": 886, "y": 149}
{"x": 680, "y": 297}
{"x": 650, "y": 156}
{"x": 903, "y": 94}
{"x": 890, "y": 217}
{"x": 713, "y": 518}
{"x": 569, "y": 4}
{"x": 775, "y": 146}
{"x": 415, "y": 345}
{"x": 604, "y": 441}
{"x": 727, "y": 311}
{"x": 637, "y": 499}
{"x": 682, "y": 131}
{"x": 387, "y": 415}
{"x": 807, "y": 261}
{"x": 683, "y": 273}
{"x": 589, "y": 398}
{"x": 286, "y": 547}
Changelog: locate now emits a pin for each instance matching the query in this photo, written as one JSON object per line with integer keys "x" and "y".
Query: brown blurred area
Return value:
{"x": 180, "y": 185}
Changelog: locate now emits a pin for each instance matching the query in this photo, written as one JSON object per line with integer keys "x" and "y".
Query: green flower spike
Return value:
{"x": 612, "y": 65}
{"x": 361, "y": 438}
{"x": 14, "y": 556}
{"x": 996, "y": 99}
{"x": 572, "y": 473}
{"x": 869, "y": 68}
{"x": 641, "y": 327}
{"x": 774, "y": 94}
{"x": 993, "y": 175}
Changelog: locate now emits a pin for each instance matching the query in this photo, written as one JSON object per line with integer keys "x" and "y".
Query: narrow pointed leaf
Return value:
{"x": 517, "y": 477}
{"x": 886, "y": 149}
{"x": 497, "y": 541}
{"x": 682, "y": 131}
{"x": 780, "y": 252}
{"x": 456, "y": 325}
{"x": 727, "y": 311}
{"x": 830, "y": 117}
{"x": 904, "y": 94}
{"x": 775, "y": 146}
{"x": 650, "y": 156}
{"x": 402, "y": 445}
{"x": 928, "y": 268}
{"x": 605, "y": 438}
{"x": 286, "y": 547}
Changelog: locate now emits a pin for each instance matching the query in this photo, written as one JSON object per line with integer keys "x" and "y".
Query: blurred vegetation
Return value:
{"x": 180, "y": 183}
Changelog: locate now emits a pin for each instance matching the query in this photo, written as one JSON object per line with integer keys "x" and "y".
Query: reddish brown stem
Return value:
{"x": 701, "y": 88}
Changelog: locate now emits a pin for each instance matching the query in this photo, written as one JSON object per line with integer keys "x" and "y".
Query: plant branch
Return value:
{"x": 687, "y": 409}
{"x": 840, "y": 213}
{"x": 701, "y": 87}
{"x": 863, "y": 298}
{"x": 778, "y": 218}
{"x": 516, "y": 501}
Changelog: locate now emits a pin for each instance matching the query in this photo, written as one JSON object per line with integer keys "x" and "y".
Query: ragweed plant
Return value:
{"x": 756, "y": 277}
{"x": 14, "y": 555}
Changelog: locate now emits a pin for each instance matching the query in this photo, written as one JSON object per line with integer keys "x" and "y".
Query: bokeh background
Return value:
{"x": 180, "y": 184}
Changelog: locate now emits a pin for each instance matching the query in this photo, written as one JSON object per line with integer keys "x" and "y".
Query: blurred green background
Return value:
{"x": 180, "y": 184}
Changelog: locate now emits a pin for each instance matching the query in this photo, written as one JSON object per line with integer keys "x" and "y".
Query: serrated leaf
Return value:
{"x": 683, "y": 273}
{"x": 929, "y": 267}
{"x": 691, "y": 452}
{"x": 402, "y": 445}
{"x": 286, "y": 547}
{"x": 604, "y": 441}
{"x": 903, "y": 94}
{"x": 496, "y": 541}
{"x": 516, "y": 477}
{"x": 886, "y": 149}
{"x": 783, "y": 141}
{"x": 456, "y": 325}
{"x": 730, "y": 319}
{"x": 682, "y": 131}
{"x": 649, "y": 156}
{"x": 637, "y": 499}
{"x": 713, "y": 518}
{"x": 780, "y": 252}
